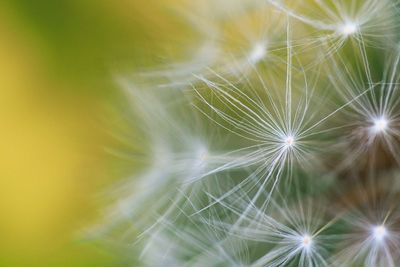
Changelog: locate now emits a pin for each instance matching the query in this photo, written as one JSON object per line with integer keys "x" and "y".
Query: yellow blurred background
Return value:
{"x": 57, "y": 61}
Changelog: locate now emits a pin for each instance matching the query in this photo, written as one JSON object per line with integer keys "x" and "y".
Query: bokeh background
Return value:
{"x": 59, "y": 104}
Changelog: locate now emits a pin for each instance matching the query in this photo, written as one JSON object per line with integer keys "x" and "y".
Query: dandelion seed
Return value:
{"x": 296, "y": 230}
{"x": 370, "y": 243}
{"x": 374, "y": 127}
{"x": 370, "y": 22}
{"x": 194, "y": 243}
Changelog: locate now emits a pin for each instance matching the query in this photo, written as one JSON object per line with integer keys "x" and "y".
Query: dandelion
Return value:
{"x": 280, "y": 129}
{"x": 272, "y": 141}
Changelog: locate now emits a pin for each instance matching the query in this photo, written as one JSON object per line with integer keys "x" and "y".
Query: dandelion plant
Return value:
{"x": 274, "y": 140}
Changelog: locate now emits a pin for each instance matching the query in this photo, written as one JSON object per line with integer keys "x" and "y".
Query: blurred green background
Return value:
{"x": 58, "y": 103}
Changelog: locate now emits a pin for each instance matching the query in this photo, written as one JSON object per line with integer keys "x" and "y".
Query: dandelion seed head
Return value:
{"x": 348, "y": 28}
{"x": 258, "y": 52}
{"x": 379, "y": 232}
{"x": 380, "y": 124}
